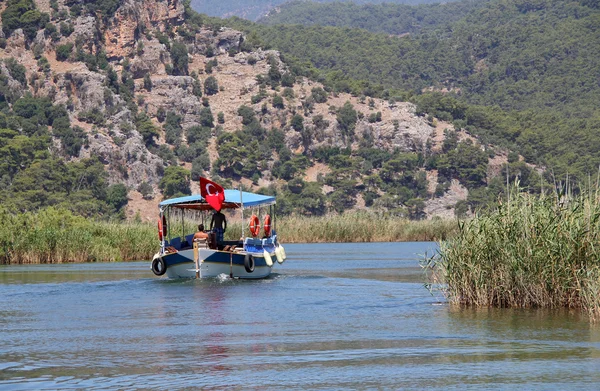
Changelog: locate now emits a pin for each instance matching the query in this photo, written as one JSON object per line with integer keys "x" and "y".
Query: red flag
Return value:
{"x": 213, "y": 194}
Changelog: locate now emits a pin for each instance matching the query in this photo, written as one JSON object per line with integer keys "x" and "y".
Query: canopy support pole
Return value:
{"x": 182, "y": 226}
{"x": 162, "y": 242}
{"x": 242, "y": 209}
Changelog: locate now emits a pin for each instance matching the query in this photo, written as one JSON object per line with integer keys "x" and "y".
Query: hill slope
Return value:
{"x": 254, "y": 9}
{"x": 523, "y": 73}
{"x": 107, "y": 115}
{"x": 390, "y": 18}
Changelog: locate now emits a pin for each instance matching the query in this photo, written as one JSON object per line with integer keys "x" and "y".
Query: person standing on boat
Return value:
{"x": 218, "y": 225}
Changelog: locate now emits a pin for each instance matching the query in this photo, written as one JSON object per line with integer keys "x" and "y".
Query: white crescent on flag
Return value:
{"x": 212, "y": 192}
{"x": 208, "y": 192}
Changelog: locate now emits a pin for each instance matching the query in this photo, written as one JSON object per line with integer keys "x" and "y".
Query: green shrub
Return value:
{"x": 319, "y": 95}
{"x": 175, "y": 182}
{"x": 179, "y": 57}
{"x": 16, "y": 70}
{"x": 211, "y": 86}
{"x": 66, "y": 29}
{"x": 64, "y": 51}
{"x": 278, "y": 102}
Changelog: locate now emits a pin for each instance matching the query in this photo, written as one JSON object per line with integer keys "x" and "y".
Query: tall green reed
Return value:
{"x": 56, "y": 235}
{"x": 353, "y": 227}
{"x": 533, "y": 251}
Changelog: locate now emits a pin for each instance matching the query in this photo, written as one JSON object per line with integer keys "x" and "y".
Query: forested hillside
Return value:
{"x": 254, "y": 9}
{"x": 521, "y": 73}
{"x": 389, "y": 17}
{"x": 105, "y": 109}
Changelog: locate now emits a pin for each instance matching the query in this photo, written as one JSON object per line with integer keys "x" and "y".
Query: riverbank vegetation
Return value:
{"x": 531, "y": 251}
{"x": 362, "y": 227}
{"x": 57, "y": 235}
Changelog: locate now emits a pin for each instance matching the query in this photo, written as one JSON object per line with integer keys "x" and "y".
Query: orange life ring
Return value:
{"x": 254, "y": 225}
{"x": 162, "y": 228}
{"x": 267, "y": 226}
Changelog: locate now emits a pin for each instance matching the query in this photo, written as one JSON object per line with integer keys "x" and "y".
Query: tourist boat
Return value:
{"x": 250, "y": 257}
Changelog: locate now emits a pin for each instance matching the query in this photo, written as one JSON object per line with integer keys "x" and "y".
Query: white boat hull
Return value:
{"x": 214, "y": 263}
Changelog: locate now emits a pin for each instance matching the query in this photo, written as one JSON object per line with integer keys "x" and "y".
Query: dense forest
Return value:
{"x": 254, "y": 9}
{"x": 521, "y": 73}
{"x": 389, "y": 17}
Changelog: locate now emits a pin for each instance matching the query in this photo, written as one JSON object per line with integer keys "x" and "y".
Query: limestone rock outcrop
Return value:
{"x": 133, "y": 17}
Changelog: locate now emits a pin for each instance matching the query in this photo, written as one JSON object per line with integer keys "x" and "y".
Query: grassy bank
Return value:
{"x": 362, "y": 227}
{"x": 57, "y": 236}
{"x": 531, "y": 252}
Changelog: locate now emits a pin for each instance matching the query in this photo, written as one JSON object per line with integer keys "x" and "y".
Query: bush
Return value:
{"x": 211, "y": 86}
{"x": 71, "y": 139}
{"x": 146, "y": 190}
{"x": 93, "y": 116}
{"x": 197, "y": 134}
{"x": 288, "y": 93}
{"x": 116, "y": 196}
{"x": 147, "y": 82}
{"x": 197, "y": 88}
{"x": 206, "y": 117}
{"x": 375, "y": 117}
{"x": 66, "y": 29}
{"x": 247, "y": 114}
{"x": 63, "y": 51}
{"x": 173, "y": 128}
{"x": 175, "y": 182}
{"x": 297, "y": 123}
{"x": 16, "y": 70}
{"x": 346, "y": 118}
{"x": 146, "y": 129}
{"x": 288, "y": 80}
{"x": 319, "y": 95}
{"x": 179, "y": 56}
{"x": 278, "y": 102}
{"x": 208, "y": 68}
{"x": 200, "y": 165}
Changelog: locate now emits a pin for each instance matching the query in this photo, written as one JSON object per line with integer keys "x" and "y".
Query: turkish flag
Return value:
{"x": 213, "y": 194}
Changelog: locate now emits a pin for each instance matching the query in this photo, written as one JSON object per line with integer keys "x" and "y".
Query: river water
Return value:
{"x": 333, "y": 316}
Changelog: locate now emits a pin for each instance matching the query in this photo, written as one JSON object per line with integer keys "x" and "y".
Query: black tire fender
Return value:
{"x": 159, "y": 267}
{"x": 249, "y": 263}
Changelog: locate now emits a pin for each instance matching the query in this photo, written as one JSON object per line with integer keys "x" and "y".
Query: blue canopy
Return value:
{"x": 232, "y": 200}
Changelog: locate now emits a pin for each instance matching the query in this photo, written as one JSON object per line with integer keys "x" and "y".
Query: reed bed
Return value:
{"x": 362, "y": 227}
{"x": 534, "y": 251}
{"x": 354, "y": 227}
{"x": 57, "y": 236}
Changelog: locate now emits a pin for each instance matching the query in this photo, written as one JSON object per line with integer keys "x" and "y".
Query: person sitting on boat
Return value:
{"x": 218, "y": 225}
{"x": 201, "y": 234}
